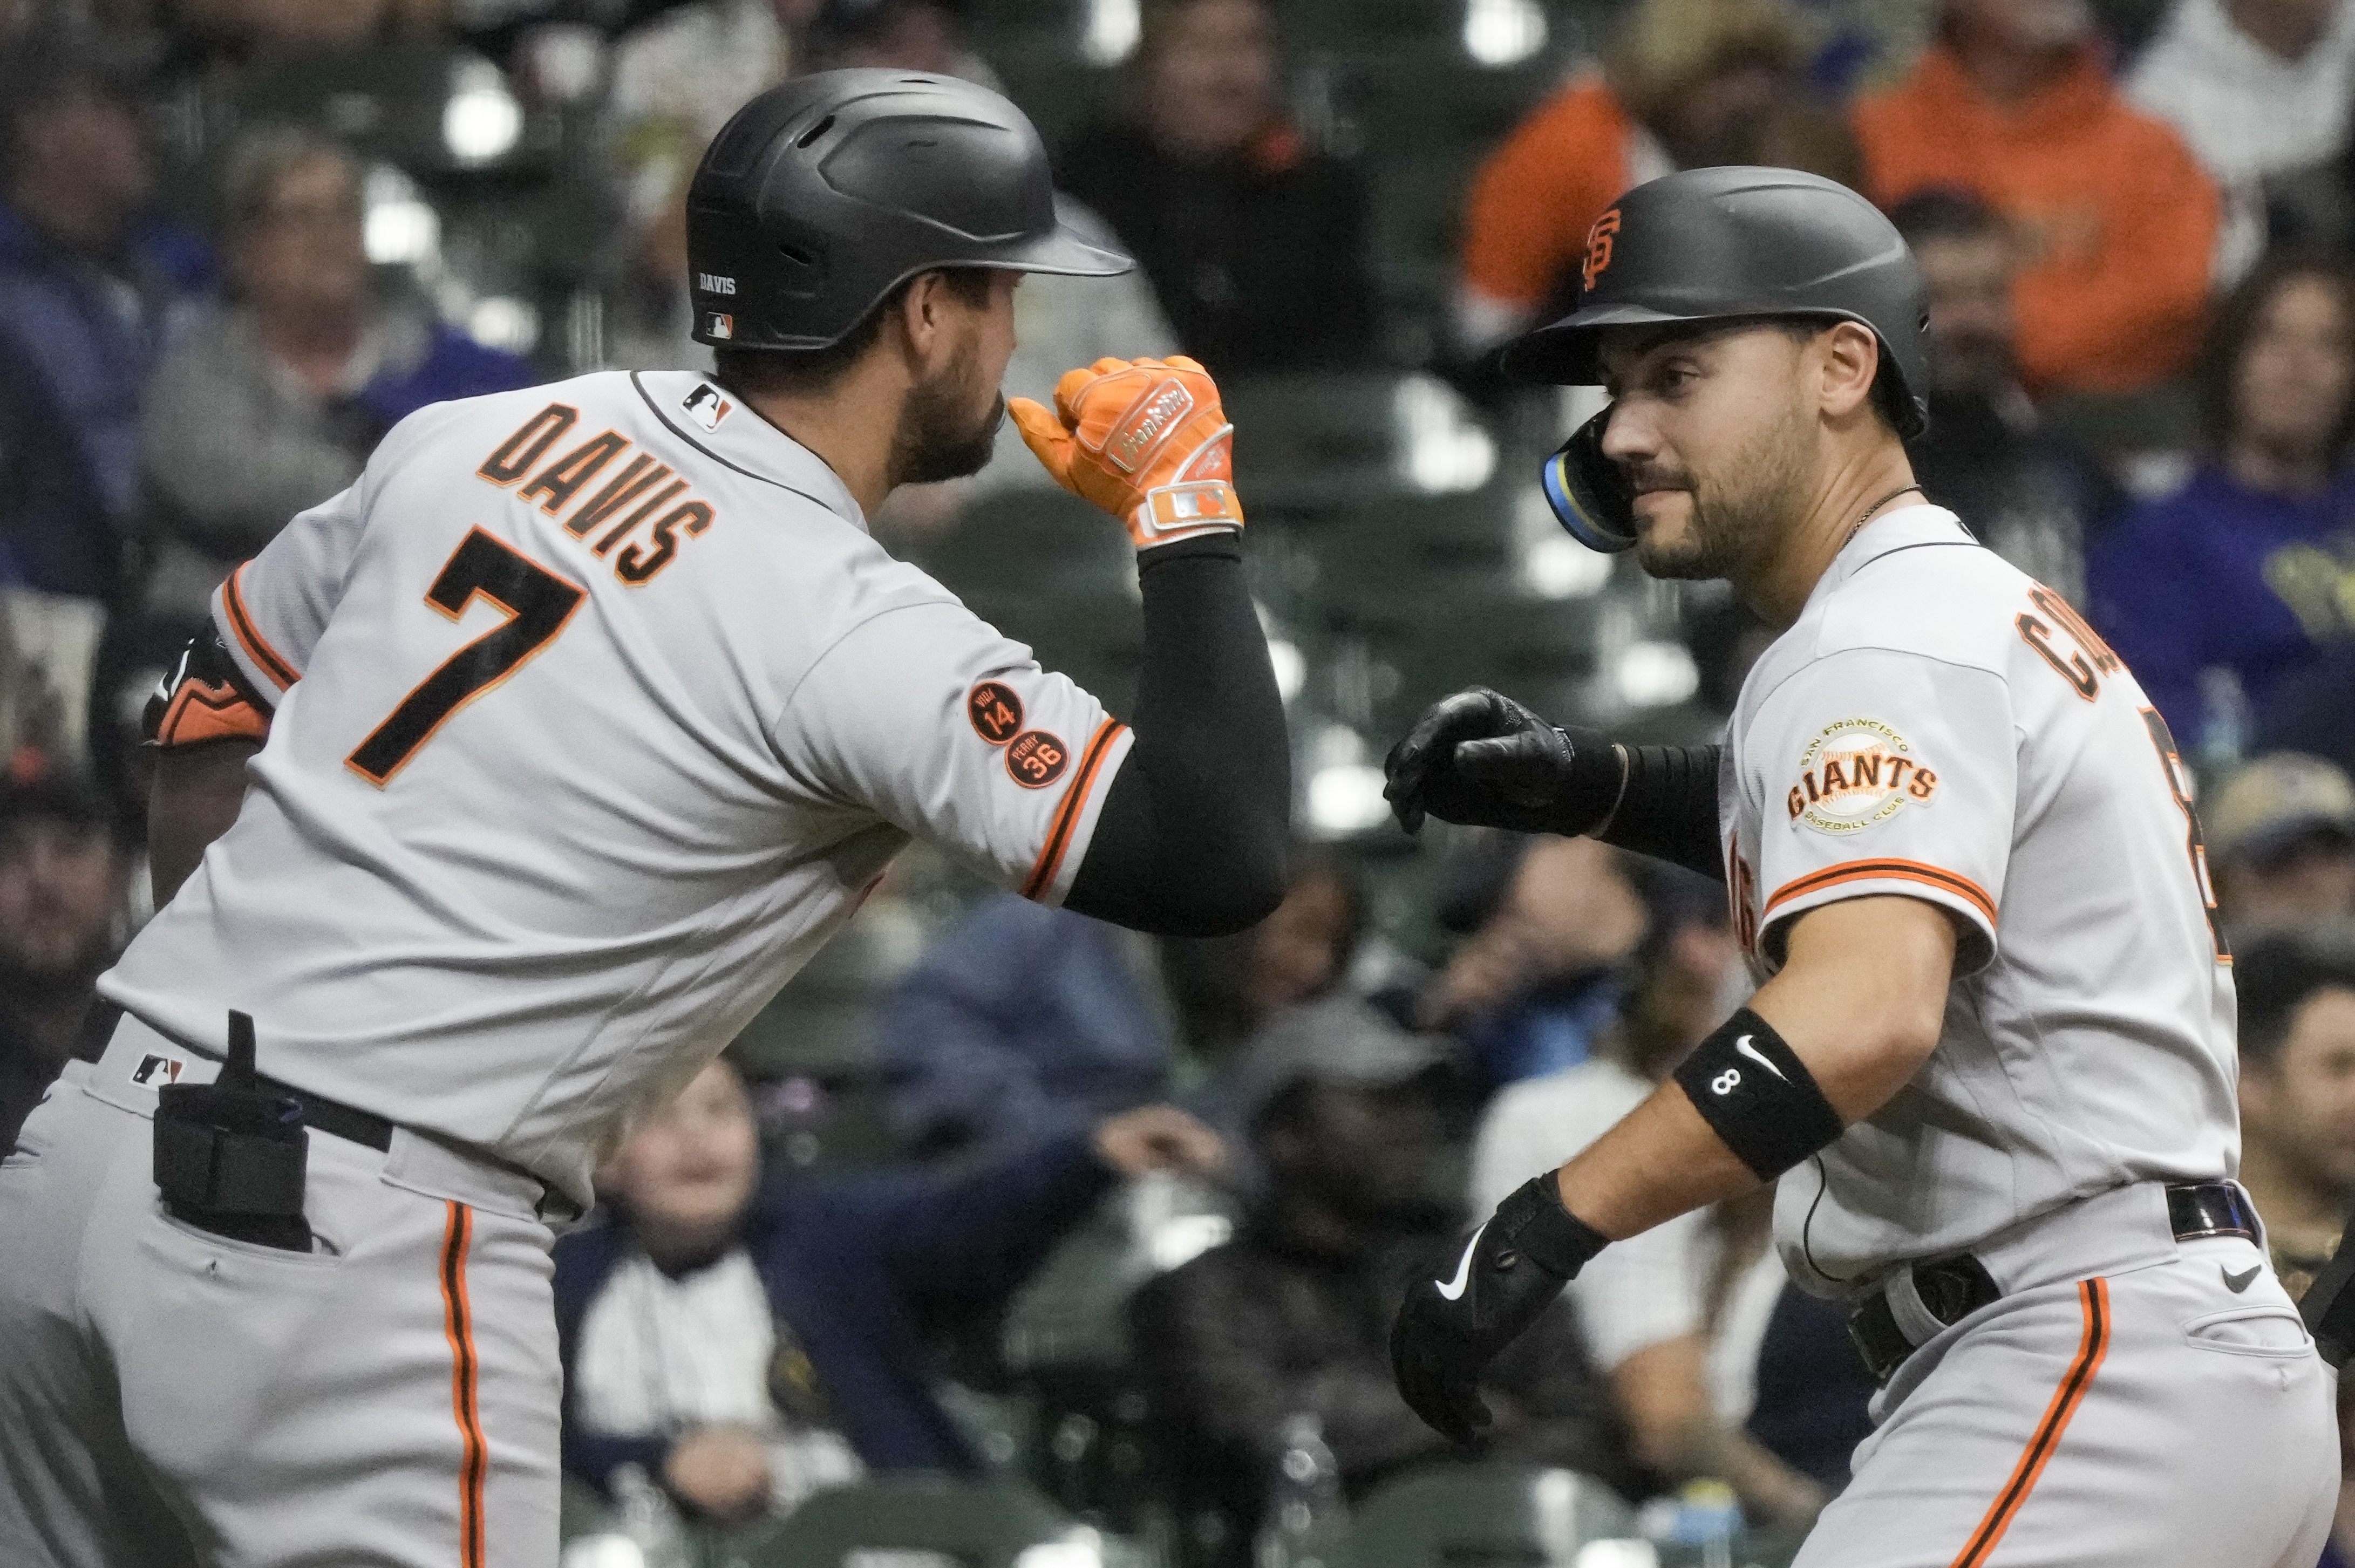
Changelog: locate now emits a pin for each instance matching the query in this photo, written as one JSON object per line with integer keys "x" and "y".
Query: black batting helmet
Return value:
{"x": 1709, "y": 244}
{"x": 822, "y": 196}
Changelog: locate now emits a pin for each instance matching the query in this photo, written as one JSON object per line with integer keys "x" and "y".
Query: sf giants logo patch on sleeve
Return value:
{"x": 1598, "y": 247}
{"x": 1855, "y": 772}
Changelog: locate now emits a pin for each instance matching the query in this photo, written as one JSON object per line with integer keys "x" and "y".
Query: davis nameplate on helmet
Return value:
{"x": 1855, "y": 772}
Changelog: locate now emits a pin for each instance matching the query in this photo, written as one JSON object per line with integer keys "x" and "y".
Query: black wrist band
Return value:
{"x": 1533, "y": 1222}
{"x": 1755, "y": 1092}
{"x": 1669, "y": 810}
{"x": 1592, "y": 791}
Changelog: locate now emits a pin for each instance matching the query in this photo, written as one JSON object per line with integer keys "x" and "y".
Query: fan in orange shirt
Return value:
{"x": 1687, "y": 83}
{"x": 2118, "y": 223}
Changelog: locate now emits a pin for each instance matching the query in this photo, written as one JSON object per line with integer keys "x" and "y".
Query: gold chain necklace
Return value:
{"x": 1857, "y": 527}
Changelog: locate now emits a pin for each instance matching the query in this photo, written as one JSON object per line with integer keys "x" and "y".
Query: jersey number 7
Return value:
{"x": 538, "y": 604}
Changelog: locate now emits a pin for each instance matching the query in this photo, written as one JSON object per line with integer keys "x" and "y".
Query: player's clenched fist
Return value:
{"x": 1144, "y": 438}
{"x": 1511, "y": 1269}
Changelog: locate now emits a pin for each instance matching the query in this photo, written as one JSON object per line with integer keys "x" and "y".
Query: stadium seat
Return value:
{"x": 1485, "y": 1516}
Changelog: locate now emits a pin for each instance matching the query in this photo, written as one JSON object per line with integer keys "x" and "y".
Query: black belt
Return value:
{"x": 322, "y": 1114}
{"x": 1952, "y": 1288}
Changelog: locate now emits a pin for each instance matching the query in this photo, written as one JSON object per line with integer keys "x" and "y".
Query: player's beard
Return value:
{"x": 1735, "y": 519}
{"x": 938, "y": 437}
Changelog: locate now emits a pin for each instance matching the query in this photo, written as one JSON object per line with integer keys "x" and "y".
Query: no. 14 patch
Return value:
{"x": 1855, "y": 772}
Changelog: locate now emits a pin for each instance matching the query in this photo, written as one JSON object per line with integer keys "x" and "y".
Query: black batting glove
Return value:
{"x": 1482, "y": 759}
{"x": 1509, "y": 1274}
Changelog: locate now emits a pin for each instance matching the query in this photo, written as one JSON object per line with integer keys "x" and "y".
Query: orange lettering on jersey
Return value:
{"x": 641, "y": 473}
{"x": 620, "y": 530}
{"x": 2082, "y": 669}
{"x": 637, "y": 565}
{"x": 2059, "y": 609}
{"x": 2074, "y": 669}
{"x": 514, "y": 457}
{"x": 563, "y": 479}
{"x": 645, "y": 509}
{"x": 1742, "y": 886}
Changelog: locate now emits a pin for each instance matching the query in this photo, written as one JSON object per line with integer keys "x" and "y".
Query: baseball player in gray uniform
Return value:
{"x": 552, "y": 748}
{"x": 1989, "y": 1064}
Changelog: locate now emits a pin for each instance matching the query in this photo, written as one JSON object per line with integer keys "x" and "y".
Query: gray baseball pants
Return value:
{"x": 169, "y": 1397}
{"x": 2150, "y": 1416}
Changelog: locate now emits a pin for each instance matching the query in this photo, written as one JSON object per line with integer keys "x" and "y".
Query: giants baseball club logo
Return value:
{"x": 1855, "y": 773}
{"x": 996, "y": 711}
{"x": 1598, "y": 247}
{"x": 1034, "y": 759}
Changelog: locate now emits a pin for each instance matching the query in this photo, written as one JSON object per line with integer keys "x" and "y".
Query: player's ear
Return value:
{"x": 924, "y": 317}
{"x": 1846, "y": 357}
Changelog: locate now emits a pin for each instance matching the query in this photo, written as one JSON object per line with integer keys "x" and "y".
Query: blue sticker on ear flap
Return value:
{"x": 1577, "y": 517}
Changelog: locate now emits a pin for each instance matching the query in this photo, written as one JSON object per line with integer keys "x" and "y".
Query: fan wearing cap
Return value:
{"x": 2282, "y": 832}
{"x": 584, "y": 716}
{"x": 1989, "y": 1064}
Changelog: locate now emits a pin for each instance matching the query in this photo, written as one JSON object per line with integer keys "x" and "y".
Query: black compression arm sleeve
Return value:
{"x": 1191, "y": 838}
{"x": 1668, "y": 809}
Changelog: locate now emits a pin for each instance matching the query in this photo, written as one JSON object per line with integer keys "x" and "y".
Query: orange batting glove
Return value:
{"x": 1144, "y": 438}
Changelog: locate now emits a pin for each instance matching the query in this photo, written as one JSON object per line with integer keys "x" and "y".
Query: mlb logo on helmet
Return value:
{"x": 1598, "y": 247}
{"x": 719, "y": 324}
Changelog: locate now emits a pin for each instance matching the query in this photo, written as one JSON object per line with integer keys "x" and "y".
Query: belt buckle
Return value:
{"x": 2196, "y": 1210}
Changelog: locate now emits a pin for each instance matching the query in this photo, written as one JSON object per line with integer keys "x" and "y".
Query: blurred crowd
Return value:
{"x": 997, "y": 1187}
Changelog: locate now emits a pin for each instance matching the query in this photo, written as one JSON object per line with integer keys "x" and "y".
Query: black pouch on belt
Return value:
{"x": 229, "y": 1154}
{"x": 2329, "y": 1304}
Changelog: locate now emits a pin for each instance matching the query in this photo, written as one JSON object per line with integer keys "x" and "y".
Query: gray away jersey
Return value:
{"x": 598, "y": 711}
{"x": 1938, "y": 725}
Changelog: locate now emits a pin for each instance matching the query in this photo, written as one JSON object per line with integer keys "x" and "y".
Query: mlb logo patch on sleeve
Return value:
{"x": 704, "y": 406}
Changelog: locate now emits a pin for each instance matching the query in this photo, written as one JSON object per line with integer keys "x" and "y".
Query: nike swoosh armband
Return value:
{"x": 1757, "y": 1094}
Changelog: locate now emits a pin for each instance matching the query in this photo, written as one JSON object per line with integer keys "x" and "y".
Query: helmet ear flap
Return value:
{"x": 1588, "y": 493}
